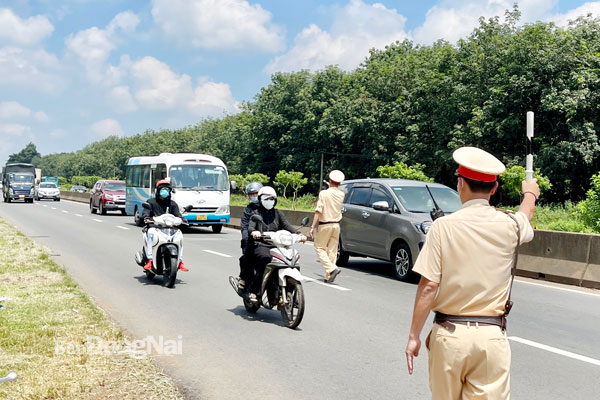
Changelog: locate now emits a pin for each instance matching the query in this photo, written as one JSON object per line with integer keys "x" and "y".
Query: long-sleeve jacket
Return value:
{"x": 248, "y": 211}
{"x": 274, "y": 220}
{"x": 160, "y": 207}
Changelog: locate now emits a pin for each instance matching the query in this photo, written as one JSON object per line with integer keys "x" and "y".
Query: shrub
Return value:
{"x": 589, "y": 209}
{"x": 402, "y": 171}
{"x": 511, "y": 183}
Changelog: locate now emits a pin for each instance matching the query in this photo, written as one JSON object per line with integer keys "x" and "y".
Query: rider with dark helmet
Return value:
{"x": 246, "y": 269}
{"x": 159, "y": 205}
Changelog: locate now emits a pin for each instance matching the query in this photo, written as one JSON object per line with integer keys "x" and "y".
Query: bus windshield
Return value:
{"x": 199, "y": 177}
{"x": 417, "y": 198}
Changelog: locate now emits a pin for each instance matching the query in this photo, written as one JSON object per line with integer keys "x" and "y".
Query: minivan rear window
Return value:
{"x": 360, "y": 196}
{"x": 417, "y": 198}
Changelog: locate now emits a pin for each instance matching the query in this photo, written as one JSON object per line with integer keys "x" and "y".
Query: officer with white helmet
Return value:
{"x": 326, "y": 224}
{"x": 272, "y": 220}
{"x": 465, "y": 267}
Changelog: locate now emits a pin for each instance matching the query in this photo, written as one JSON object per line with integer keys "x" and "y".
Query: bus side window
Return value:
{"x": 160, "y": 172}
{"x": 146, "y": 177}
{"x": 136, "y": 180}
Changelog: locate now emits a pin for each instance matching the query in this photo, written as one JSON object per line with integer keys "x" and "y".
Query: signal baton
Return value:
{"x": 529, "y": 158}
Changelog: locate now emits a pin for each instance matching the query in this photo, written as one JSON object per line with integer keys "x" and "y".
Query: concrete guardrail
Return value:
{"x": 564, "y": 257}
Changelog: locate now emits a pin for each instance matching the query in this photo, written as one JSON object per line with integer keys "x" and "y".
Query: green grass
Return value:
{"x": 303, "y": 203}
{"x": 43, "y": 308}
{"x": 558, "y": 217}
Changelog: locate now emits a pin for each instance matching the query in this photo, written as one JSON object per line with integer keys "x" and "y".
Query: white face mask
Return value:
{"x": 268, "y": 204}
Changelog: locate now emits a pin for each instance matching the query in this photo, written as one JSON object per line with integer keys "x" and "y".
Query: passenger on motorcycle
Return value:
{"x": 246, "y": 271}
{"x": 273, "y": 221}
{"x": 159, "y": 205}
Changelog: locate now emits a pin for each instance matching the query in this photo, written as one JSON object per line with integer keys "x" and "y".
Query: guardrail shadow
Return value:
{"x": 375, "y": 267}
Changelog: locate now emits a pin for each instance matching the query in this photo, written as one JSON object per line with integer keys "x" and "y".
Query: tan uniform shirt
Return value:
{"x": 329, "y": 205}
{"x": 470, "y": 254}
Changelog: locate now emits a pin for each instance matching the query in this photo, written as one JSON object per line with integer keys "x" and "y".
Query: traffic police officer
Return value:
{"x": 326, "y": 223}
{"x": 465, "y": 267}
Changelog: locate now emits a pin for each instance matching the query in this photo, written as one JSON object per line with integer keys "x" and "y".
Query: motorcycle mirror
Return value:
{"x": 188, "y": 208}
{"x": 146, "y": 206}
{"x": 305, "y": 221}
{"x": 256, "y": 218}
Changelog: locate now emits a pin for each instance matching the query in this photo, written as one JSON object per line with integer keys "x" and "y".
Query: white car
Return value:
{"x": 47, "y": 190}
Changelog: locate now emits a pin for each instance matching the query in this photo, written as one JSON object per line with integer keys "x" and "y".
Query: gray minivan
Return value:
{"x": 389, "y": 218}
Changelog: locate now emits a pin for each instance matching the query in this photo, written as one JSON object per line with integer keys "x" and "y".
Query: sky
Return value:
{"x": 76, "y": 71}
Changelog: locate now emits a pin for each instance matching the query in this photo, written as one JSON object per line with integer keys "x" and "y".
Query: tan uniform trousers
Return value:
{"x": 326, "y": 245}
{"x": 473, "y": 362}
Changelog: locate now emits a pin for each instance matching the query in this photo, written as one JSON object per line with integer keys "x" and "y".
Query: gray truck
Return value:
{"x": 18, "y": 182}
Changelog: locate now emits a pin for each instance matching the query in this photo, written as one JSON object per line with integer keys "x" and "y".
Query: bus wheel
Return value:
{"x": 217, "y": 228}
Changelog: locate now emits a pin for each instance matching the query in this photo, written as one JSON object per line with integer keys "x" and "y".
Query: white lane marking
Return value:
{"x": 305, "y": 278}
{"x": 97, "y": 220}
{"x": 555, "y": 350}
{"x": 54, "y": 208}
{"x": 559, "y": 288}
{"x": 78, "y": 215}
{"x": 65, "y": 211}
{"x": 122, "y": 227}
{"x": 217, "y": 253}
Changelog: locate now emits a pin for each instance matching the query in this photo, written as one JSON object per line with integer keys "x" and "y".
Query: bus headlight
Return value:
{"x": 222, "y": 210}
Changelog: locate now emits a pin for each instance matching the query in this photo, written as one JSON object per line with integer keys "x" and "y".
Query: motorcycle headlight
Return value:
{"x": 286, "y": 240}
{"x": 222, "y": 210}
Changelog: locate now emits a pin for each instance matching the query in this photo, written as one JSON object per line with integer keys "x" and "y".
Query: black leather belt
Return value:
{"x": 446, "y": 320}
{"x": 329, "y": 222}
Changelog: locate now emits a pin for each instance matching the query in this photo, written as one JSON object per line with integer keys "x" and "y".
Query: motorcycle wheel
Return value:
{"x": 169, "y": 272}
{"x": 251, "y": 307}
{"x": 293, "y": 311}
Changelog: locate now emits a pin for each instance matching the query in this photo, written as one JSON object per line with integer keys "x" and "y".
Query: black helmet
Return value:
{"x": 253, "y": 187}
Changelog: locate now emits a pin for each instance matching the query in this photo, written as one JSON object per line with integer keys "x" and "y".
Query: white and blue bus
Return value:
{"x": 198, "y": 180}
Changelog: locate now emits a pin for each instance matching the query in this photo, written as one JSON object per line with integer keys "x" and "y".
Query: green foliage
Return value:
{"x": 294, "y": 180}
{"x": 511, "y": 183}
{"x": 242, "y": 180}
{"x": 589, "y": 209}
{"x": 87, "y": 181}
{"x": 305, "y": 202}
{"x": 400, "y": 170}
{"x": 257, "y": 177}
{"x": 560, "y": 217}
{"x": 26, "y": 155}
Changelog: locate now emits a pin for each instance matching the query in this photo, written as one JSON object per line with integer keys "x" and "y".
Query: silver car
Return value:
{"x": 47, "y": 190}
{"x": 389, "y": 218}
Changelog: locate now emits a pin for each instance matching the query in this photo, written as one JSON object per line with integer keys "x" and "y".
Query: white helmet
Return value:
{"x": 267, "y": 191}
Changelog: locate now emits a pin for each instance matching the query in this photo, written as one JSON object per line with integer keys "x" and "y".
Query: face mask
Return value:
{"x": 268, "y": 204}
{"x": 254, "y": 200}
{"x": 164, "y": 193}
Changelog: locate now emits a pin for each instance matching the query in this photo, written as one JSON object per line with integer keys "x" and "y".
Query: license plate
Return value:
{"x": 200, "y": 217}
{"x": 22, "y": 195}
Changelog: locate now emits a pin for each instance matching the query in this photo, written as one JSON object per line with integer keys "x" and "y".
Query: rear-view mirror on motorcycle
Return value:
{"x": 305, "y": 221}
{"x": 146, "y": 206}
{"x": 188, "y": 208}
{"x": 256, "y": 218}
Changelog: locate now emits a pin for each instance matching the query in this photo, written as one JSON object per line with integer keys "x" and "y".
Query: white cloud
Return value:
{"x": 31, "y": 68}
{"x": 106, "y": 127}
{"x": 583, "y": 10}
{"x": 121, "y": 99}
{"x": 94, "y": 45}
{"x": 13, "y": 110}
{"x": 455, "y": 19}
{"x": 14, "y": 130}
{"x": 218, "y": 24}
{"x": 24, "y": 32}
{"x": 41, "y": 116}
{"x": 157, "y": 87}
{"x": 357, "y": 28}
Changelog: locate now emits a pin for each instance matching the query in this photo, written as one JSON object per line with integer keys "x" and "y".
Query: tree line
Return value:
{"x": 407, "y": 103}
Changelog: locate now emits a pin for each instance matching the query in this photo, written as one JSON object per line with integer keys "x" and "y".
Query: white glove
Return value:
{"x": 255, "y": 234}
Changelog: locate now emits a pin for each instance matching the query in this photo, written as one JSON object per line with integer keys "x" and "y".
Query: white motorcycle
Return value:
{"x": 167, "y": 248}
{"x": 282, "y": 281}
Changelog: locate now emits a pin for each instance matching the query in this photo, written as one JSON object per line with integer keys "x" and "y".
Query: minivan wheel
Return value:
{"x": 92, "y": 209}
{"x": 342, "y": 256}
{"x": 402, "y": 260}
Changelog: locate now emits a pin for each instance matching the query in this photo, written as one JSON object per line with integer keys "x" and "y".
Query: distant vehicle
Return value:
{"x": 47, "y": 190}
{"x": 107, "y": 195}
{"x": 78, "y": 188}
{"x": 52, "y": 179}
{"x": 389, "y": 218}
{"x": 198, "y": 180}
{"x": 18, "y": 182}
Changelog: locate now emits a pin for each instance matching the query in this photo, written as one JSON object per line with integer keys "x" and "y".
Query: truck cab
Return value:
{"x": 18, "y": 182}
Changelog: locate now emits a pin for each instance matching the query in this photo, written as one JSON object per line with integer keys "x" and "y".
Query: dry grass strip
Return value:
{"x": 43, "y": 307}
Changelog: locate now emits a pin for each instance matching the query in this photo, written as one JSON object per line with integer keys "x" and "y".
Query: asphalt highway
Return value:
{"x": 350, "y": 344}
